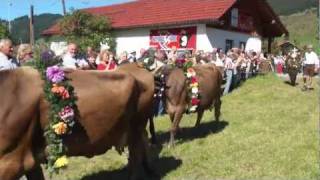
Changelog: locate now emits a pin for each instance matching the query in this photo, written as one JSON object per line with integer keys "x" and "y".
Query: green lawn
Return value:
{"x": 269, "y": 130}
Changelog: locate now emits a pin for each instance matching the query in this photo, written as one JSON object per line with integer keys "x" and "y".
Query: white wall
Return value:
{"x": 218, "y": 37}
{"x": 203, "y": 42}
{"x": 135, "y": 39}
{"x": 132, "y": 40}
{"x": 207, "y": 38}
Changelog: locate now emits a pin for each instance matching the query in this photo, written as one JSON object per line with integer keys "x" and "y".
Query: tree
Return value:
{"x": 87, "y": 29}
{"x": 4, "y": 33}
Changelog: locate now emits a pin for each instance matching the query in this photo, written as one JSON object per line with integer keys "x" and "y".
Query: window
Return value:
{"x": 229, "y": 45}
{"x": 234, "y": 17}
{"x": 242, "y": 45}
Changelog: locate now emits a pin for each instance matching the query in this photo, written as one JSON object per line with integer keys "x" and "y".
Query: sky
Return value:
{"x": 11, "y": 9}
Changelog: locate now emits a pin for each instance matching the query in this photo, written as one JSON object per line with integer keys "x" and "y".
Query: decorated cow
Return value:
{"x": 293, "y": 64}
{"x": 44, "y": 119}
{"x": 184, "y": 89}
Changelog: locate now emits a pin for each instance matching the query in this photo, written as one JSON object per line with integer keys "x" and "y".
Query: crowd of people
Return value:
{"x": 236, "y": 65}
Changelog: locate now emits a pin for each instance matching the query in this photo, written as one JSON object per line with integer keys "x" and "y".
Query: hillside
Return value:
{"x": 286, "y": 7}
{"x": 20, "y": 26}
{"x": 302, "y": 28}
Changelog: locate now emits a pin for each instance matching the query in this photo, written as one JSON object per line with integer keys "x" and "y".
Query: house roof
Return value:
{"x": 142, "y": 13}
{"x": 156, "y": 13}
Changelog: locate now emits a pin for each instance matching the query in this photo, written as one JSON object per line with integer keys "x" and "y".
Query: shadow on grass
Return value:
{"x": 190, "y": 133}
{"x": 162, "y": 166}
{"x": 289, "y": 83}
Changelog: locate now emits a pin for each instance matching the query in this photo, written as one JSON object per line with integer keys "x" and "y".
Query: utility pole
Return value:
{"x": 9, "y": 21}
{"x": 64, "y": 7}
{"x": 31, "y": 26}
{"x": 319, "y": 22}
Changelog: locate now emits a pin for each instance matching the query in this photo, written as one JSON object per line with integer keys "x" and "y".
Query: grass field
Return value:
{"x": 269, "y": 130}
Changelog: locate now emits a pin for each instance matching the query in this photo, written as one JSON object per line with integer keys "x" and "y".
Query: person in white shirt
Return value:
{"x": 229, "y": 67}
{"x": 72, "y": 61}
{"x": 6, "y": 52}
{"x": 311, "y": 64}
{"x": 254, "y": 44}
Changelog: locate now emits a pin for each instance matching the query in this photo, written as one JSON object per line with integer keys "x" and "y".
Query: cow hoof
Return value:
{"x": 154, "y": 142}
{"x": 150, "y": 171}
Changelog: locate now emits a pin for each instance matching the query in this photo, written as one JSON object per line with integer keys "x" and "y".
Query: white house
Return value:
{"x": 188, "y": 24}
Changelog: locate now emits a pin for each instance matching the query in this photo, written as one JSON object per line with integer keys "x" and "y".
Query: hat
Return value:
{"x": 310, "y": 46}
{"x": 132, "y": 52}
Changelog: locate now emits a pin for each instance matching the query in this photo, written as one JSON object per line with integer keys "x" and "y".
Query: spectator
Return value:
{"x": 311, "y": 64}
{"x": 123, "y": 58}
{"x": 72, "y": 60}
{"x": 90, "y": 52}
{"x": 219, "y": 62}
{"x": 107, "y": 62}
{"x": 24, "y": 54}
{"x": 142, "y": 51}
{"x": 173, "y": 55}
{"x": 6, "y": 52}
{"x": 229, "y": 68}
{"x": 132, "y": 57}
{"x": 91, "y": 56}
{"x": 254, "y": 44}
{"x": 279, "y": 62}
{"x": 112, "y": 65}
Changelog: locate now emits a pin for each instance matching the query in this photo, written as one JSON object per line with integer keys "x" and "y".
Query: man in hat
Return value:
{"x": 311, "y": 64}
{"x": 132, "y": 56}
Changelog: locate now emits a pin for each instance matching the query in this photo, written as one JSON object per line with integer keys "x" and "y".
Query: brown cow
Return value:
{"x": 111, "y": 107}
{"x": 210, "y": 80}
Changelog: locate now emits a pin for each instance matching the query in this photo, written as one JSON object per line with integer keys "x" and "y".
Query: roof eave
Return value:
{"x": 188, "y": 22}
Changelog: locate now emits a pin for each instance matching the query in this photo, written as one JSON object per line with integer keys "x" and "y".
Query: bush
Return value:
{"x": 86, "y": 30}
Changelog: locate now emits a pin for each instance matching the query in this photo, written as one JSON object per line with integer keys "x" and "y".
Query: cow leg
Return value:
{"x": 175, "y": 125}
{"x": 217, "y": 108}
{"x": 199, "y": 117}
{"x": 145, "y": 157}
{"x": 152, "y": 131}
{"x": 135, "y": 154}
{"x": 10, "y": 170}
{"x": 35, "y": 174}
{"x": 293, "y": 77}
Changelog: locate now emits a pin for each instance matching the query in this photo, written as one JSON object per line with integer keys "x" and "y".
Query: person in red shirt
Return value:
{"x": 107, "y": 62}
{"x": 112, "y": 65}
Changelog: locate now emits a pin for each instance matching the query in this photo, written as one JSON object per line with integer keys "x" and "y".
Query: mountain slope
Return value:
{"x": 303, "y": 28}
{"x": 20, "y": 26}
{"x": 286, "y": 7}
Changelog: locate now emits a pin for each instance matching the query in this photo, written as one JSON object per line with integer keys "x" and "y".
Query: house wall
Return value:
{"x": 218, "y": 37}
{"x": 132, "y": 40}
{"x": 135, "y": 39}
{"x": 207, "y": 38}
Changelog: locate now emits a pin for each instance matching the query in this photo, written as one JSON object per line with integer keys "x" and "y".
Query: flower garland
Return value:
{"x": 60, "y": 95}
{"x": 193, "y": 90}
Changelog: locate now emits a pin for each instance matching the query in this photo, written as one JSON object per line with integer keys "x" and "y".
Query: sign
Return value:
{"x": 181, "y": 38}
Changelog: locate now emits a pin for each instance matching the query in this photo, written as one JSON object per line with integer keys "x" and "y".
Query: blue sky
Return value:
{"x": 10, "y": 9}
